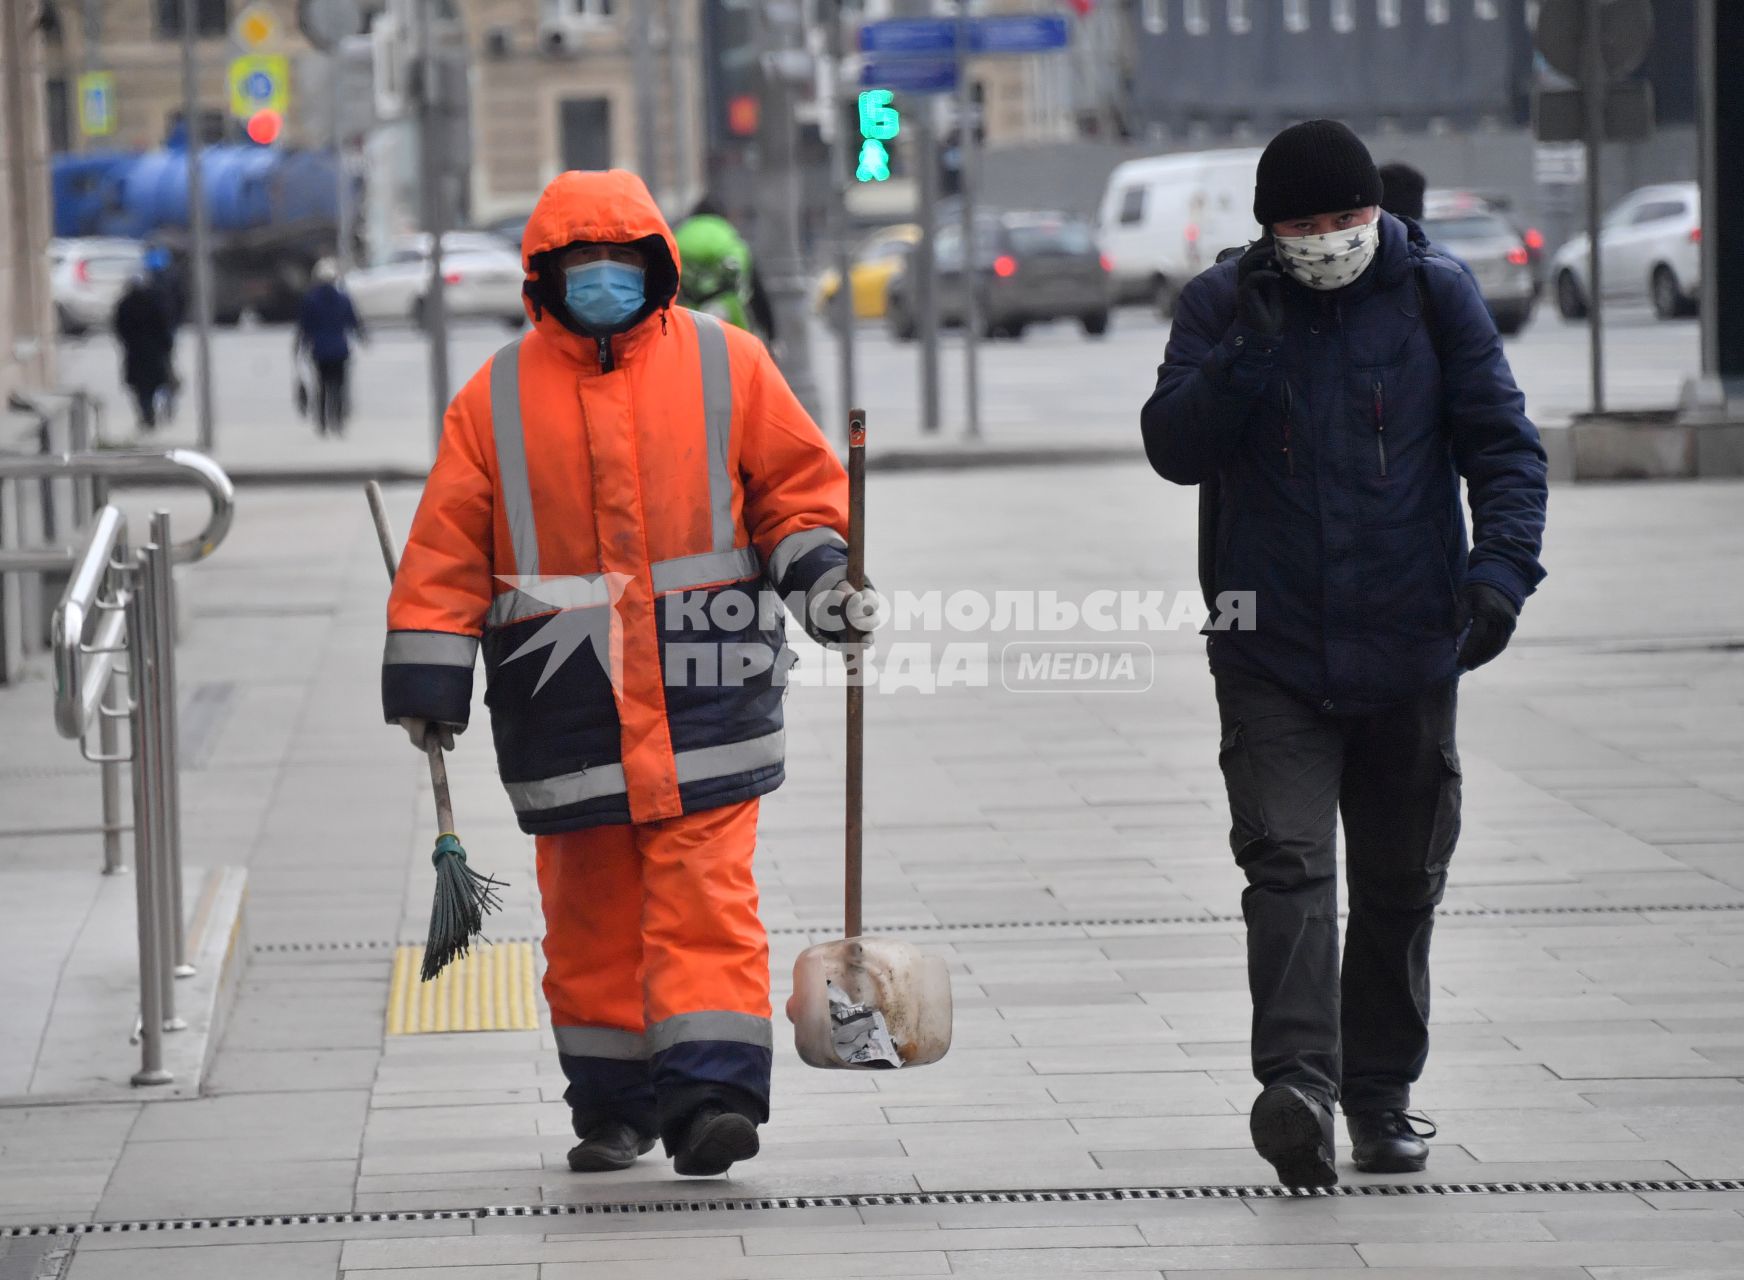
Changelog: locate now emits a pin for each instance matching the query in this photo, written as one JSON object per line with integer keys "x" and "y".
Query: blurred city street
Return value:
{"x": 1053, "y": 388}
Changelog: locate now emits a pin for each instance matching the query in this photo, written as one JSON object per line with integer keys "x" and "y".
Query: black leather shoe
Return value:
{"x": 1388, "y": 1141}
{"x": 1293, "y": 1130}
{"x": 715, "y": 1140}
{"x": 607, "y": 1146}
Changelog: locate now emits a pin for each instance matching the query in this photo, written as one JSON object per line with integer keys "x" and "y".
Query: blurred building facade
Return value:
{"x": 26, "y": 313}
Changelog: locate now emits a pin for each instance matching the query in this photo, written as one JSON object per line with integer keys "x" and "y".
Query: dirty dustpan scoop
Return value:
{"x": 866, "y": 1003}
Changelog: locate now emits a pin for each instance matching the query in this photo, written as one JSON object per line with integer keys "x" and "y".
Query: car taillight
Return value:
{"x": 1107, "y": 263}
{"x": 1192, "y": 233}
{"x": 1695, "y": 235}
{"x": 1518, "y": 255}
{"x": 82, "y": 271}
{"x": 451, "y": 277}
{"x": 1534, "y": 239}
{"x": 1005, "y": 266}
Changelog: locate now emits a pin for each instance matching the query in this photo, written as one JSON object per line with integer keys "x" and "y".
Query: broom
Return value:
{"x": 463, "y": 897}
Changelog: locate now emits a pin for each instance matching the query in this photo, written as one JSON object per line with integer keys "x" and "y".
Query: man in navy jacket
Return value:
{"x": 1328, "y": 390}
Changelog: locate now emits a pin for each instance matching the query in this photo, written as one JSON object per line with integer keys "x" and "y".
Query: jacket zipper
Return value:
{"x": 607, "y": 364}
{"x": 1381, "y": 427}
{"x": 1289, "y": 412}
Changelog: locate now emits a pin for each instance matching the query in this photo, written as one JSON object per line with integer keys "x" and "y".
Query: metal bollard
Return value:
{"x": 169, "y": 738}
{"x": 140, "y": 676}
{"x": 109, "y": 749}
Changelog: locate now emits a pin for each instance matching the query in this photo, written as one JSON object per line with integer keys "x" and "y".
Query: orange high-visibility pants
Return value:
{"x": 657, "y": 969}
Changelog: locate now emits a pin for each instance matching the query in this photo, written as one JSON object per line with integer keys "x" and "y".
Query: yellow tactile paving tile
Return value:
{"x": 491, "y": 988}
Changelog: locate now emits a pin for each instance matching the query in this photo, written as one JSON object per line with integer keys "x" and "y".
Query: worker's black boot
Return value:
{"x": 714, "y": 1140}
{"x": 1293, "y": 1129}
{"x": 1388, "y": 1141}
{"x": 609, "y": 1145}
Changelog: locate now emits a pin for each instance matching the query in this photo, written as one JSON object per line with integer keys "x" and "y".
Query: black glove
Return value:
{"x": 1486, "y": 624}
{"x": 1260, "y": 290}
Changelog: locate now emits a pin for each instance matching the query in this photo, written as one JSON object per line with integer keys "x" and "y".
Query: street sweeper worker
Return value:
{"x": 612, "y": 493}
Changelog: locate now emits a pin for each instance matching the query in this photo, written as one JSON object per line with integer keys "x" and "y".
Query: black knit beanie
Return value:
{"x": 1402, "y": 190}
{"x": 1318, "y": 166}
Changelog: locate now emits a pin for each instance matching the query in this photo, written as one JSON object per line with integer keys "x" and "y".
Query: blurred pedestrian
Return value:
{"x": 757, "y": 304}
{"x": 326, "y": 322}
{"x": 1328, "y": 390}
{"x": 623, "y": 458}
{"x": 144, "y": 327}
{"x": 1402, "y": 189}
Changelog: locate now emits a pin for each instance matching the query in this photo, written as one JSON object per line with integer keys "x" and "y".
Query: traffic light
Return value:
{"x": 264, "y": 126}
{"x": 879, "y": 123}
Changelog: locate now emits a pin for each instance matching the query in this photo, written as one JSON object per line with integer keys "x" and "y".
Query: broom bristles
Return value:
{"x": 463, "y": 899}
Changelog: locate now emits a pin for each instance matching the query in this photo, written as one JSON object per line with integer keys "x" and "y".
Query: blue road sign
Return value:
{"x": 909, "y": 37}
{"x": 1018, "y": 33}
{"x": 910, "y": 75}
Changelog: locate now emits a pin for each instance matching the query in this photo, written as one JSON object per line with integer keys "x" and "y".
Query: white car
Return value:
{"x": 1164, "y": 219}
{"x": 481, "y": 280}
{"x": 1650, "y": 247}
{"x": 87, "y": 278}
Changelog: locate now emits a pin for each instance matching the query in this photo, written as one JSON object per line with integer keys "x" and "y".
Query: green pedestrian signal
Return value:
{"x": 879, "y": 122}
{"x": 878, "y": 119}
{"x": 874, "y": 162}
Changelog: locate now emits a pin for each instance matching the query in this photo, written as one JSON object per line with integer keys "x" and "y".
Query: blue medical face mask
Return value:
{"x": 603, "y": 294}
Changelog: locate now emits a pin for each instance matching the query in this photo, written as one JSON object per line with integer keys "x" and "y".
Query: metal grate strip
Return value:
{"x": 1107, "y": 922}
{"x": 880, "y": 1200}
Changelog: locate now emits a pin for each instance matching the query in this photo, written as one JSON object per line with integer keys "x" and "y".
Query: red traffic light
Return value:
{"x": 264, "y": 127}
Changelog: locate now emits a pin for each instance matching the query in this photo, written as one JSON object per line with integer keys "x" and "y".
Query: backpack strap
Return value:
{"x": 1426, "y": 308}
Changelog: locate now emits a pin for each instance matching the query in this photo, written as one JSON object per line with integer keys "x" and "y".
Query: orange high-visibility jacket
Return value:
{"x": 602, "y": 514}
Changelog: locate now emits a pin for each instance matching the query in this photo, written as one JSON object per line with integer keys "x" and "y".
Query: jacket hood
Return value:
{"x": 609, "y": 206}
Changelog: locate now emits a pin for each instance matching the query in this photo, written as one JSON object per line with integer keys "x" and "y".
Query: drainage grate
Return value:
{"x": 631, "y": 1208}
{"x": 1104, "y": 922}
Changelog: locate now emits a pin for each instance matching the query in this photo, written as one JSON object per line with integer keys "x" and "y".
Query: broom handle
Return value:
{"x": 432, "y": 748}
{"x": 856, "y": 684}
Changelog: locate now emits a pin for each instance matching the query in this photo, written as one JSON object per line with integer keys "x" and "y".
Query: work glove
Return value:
{"x": 1486, "y": 624}
{"x": 418, "y": 730}
{"x": 840, "y": 616}
{"x": 1259, "y": 296}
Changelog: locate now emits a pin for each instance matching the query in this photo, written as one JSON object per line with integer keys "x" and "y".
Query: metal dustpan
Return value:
{"x": 864, "y": 1003}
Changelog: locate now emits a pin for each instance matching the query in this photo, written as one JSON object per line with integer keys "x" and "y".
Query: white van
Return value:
{"x": 1164, "y": 219}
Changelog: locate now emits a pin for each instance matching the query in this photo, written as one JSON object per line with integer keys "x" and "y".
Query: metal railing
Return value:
{"x": 113, "y": 636}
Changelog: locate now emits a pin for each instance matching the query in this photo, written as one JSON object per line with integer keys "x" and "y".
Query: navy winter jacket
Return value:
{"x": 1337, "y": 450}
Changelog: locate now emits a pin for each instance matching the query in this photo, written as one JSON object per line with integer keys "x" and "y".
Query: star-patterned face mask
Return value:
{"x": 1333, "y": 260}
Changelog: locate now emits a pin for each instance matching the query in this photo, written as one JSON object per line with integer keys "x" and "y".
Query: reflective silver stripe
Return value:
{"x": 429, "y": 648}
{"x": 788, "y": 551}
{"x": 533, "y": 597}
{"x": 511, "y": 437}
{"x": 567, "y": 788}
{"x": 731, "y": 757}
{"x": 601, "y": 1042}
{"x": 696, "y": 765}
{"x": 717, "y": 407}
{"x": 711, "y": 566}
{"x": 711, "y": 1024}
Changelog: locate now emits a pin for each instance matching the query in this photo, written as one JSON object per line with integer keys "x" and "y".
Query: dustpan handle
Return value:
{"x": 384, "y": 534}
{"x": 856, "y": 745}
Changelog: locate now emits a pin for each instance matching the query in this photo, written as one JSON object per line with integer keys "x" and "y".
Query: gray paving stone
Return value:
{"x": 213, "y": 1262}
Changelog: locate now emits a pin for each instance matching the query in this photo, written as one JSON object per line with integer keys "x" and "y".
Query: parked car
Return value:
{"x": 481, "y": 277}
{"x": 87, "y": 277}
{"x": 1027, "y": 267}
{"x": 1489, "y": 244}
{"x": 1650, "y": 246}
{"x": 873, "y": 262}
{"x": 1164, "y": 219}
{"x": 510, "y": 228}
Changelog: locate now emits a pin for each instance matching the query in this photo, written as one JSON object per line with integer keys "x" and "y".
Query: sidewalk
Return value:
{"x": 1067, "y": 853}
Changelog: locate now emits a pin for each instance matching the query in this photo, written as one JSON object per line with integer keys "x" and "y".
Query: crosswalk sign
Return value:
{"x": 97, "y": 104}
{"x": 260, "y": 82}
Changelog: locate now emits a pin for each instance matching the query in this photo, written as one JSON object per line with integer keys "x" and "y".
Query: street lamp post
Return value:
{"x": 199, "y": 248}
